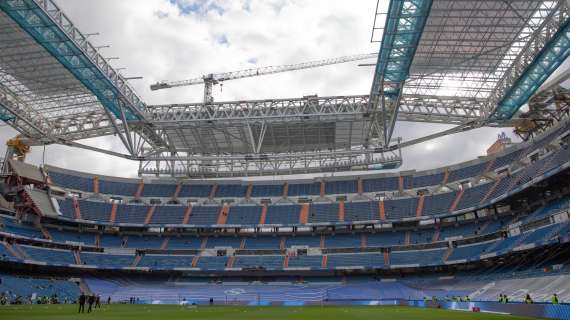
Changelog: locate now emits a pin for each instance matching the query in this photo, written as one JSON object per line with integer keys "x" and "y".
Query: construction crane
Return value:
{"x": 212, "y": 79}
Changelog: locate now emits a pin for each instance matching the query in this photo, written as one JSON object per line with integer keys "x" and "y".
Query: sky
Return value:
{"x": 182, "y": 39}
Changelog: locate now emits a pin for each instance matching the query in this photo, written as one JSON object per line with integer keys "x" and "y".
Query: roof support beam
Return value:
{"x": 547, "y": 49}
{"x": 404, "y": 26}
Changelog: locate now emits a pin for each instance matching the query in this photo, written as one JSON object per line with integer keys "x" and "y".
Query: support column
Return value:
{"x": 401, "y": 184}
{"x": 381, "y": 210}
{"x": 323, "y": 188}
{"x": 360, "y": 186}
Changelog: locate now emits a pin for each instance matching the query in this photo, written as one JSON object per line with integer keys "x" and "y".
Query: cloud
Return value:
{"x": 198, "y": 7}
{"x": 161, "y": 14}
{"x": 180, "y": 39}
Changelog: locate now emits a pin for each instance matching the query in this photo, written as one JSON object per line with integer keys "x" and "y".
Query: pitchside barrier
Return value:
{"x": 542, "y": 310}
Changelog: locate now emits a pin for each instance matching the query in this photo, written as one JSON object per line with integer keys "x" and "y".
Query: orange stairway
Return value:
{"x": 187, "y": 214}
{"x": 77, "y": 257}
{"x": 490, "y": 192}
{"x": 324, "y": 262}
{"x": 136, "y": 261}
{"x": 456, "y": 201}
{"x": 420, "y": 206}
{"x": 164, "y": 244}
{"x": 195, "y": 261}
{"x": 304, "y": 214}
{"x": 263, "y": 216}
{"x": 445, "y": 177}
{"x": 223, "y": 215}
{"x": 381, "y": 210}
{"x": 149, "y": 214}
{"x": 140, "y": 188}
{"x": 178, "y": 189}
{"x": 113, "y": 213}
{"x": 96, "y": 184}
{"x": 77, "y": 209}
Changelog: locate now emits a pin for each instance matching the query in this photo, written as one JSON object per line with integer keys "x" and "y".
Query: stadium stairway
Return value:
{"x": 77, "y": 258}
{"x": 491, "y": 190}
{"x": 456, "y": 200}
{"x": 448, "y": 254}
{"x": 304, "y": 214}
{"x": 263, "y": 216}
{"x": 420, "y": 206}
{"x": 164, "y": 244}
{"x": 16, "y": 254}
{"x": 187, "y": 214}
{"x": 20, "y": 253}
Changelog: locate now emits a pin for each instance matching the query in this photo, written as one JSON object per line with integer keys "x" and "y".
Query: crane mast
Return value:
{"x": 212, "y": 79}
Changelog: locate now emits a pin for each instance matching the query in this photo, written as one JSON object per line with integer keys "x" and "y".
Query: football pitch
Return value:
{"x": 164, "y": 312}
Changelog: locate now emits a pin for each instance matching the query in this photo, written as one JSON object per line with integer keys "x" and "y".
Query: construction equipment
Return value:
{"x": 216, "y": 78}
{"x": 18, "y": 148}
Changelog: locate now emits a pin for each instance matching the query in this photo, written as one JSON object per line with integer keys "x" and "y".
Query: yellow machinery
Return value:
{"x": 19, "y": 148}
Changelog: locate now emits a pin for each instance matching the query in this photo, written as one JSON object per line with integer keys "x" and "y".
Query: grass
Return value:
{"x": 164, "y": 312}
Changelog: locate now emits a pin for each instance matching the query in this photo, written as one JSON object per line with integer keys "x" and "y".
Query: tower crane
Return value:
{"x": 212, "y": 79}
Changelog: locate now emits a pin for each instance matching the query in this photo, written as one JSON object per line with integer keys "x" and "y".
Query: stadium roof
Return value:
{"x": 468, "y": 63}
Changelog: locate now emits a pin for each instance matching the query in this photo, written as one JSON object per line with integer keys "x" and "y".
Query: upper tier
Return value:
{"x": 401, "y": 183}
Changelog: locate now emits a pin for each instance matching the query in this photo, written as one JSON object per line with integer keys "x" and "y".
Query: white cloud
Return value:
{"x": 181, "y": 39}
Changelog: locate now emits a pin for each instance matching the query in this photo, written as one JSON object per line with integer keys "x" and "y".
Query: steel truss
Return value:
{"x": 440, "y": 61}
{"x": 480, "y": 49}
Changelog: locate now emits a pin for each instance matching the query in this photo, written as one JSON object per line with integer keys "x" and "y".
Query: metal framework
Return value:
{"x": 467, "y": 63}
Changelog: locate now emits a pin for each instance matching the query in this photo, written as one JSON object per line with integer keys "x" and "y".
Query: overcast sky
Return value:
{"x": 181, "y": 39}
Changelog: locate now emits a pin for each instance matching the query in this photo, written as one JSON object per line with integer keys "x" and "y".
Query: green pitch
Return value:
{"x": 161, "y": 312}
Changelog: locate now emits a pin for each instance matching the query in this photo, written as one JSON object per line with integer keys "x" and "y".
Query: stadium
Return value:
{"x": 291, "y": 208}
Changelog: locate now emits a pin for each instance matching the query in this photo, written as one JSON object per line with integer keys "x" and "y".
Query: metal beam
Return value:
{"x": 547, "y": 47}
{"x": 404, "y": 26}
{"x": 50, "y": 27}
